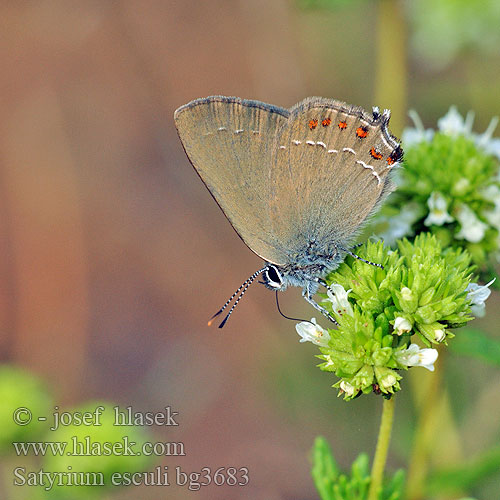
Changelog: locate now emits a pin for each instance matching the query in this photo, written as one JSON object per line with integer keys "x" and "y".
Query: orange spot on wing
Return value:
{"x": 362, "y": 132}
{"x": 395, "y": 156}
{"x": 313, "y": 124}
{"x": 375, "y": 154}
{"x": 326, "y": 122}
{"x": 342, "y": 125}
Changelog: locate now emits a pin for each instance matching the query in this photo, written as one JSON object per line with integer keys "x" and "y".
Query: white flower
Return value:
{"x": 491, "y": 193}
{"x": 412, "y": 136}
{"x": 401, "y": 225}
{"x": 438, "y": 210}
{"x": 337, "y": 295}
{"x": 485, "y": 141}
{"x": 492, "y": 147}
{"x": 493, "y": 217}
{"x": 347, "y": 388}
{"x": 312, "y": 332}
{"x": 414, "y": 356}
{"x": 472, "y": 229}
{"x": 478, "y": 294}
{"x": 453, "y": 124}
{"x": 402, "y": 325}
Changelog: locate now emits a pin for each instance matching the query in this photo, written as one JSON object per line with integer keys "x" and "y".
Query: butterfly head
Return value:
{"x": 273, "y": 278}
{"x": 279, "y": 278}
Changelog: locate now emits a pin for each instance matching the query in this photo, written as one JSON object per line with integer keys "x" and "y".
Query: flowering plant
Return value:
{"x": 422, "y": 291}
{"x": 442, "y": 226}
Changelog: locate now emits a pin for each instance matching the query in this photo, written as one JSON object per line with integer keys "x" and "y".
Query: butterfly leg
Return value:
{"x": 348, "y": 252}
{"x": 316, "y": 306}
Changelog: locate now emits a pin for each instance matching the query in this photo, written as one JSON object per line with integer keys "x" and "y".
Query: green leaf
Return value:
{"x": 476, "y": 344}
{"x": 332, "y": 484}
{"x": 325, "y": 470}
{"x": 393, "y": 490}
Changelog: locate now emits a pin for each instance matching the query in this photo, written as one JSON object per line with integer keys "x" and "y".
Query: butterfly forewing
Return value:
{"x": 229, "y": 141}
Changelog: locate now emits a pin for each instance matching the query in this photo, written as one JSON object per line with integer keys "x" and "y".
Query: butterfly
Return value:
{"x": 296, "y": 184}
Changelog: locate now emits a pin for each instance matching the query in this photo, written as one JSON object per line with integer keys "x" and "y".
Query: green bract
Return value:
{"x": 420, "y": 291}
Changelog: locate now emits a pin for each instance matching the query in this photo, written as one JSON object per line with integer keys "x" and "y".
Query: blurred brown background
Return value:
{"x": 113, "y": 254}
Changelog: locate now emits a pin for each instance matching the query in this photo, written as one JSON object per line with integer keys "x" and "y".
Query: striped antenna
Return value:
{"x": 243, "y": 286}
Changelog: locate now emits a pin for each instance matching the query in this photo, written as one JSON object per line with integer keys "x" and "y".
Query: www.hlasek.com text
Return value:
{"x": 86, "y": 447}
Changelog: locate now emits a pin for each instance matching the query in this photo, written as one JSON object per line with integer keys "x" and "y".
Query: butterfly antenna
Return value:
{"x": 288, "y": 317}
{"x": 243, "y": 286}
{"x": 240, "y": 296}
{"x": 348, "y": 252}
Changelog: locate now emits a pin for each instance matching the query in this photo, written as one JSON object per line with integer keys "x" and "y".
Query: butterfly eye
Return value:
{"x": 273, "y": 277}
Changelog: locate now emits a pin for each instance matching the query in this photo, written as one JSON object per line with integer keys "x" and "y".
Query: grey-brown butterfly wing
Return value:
{"x": 230, "y": 143}
{"x": 332, "y": 165}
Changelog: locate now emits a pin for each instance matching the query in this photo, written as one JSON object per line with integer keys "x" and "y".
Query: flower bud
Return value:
{"x": 347, "y": 388}
{"x": 387, "y": 379}
{"x": 408, "y": 300}
{"x": 402, "y": 325}
{"x": 434, "y": 332}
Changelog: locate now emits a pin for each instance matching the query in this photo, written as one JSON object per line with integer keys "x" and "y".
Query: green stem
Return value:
{"x": 426, "y": 392}
{"x": 432, "y": 407}
{"x": 391, "y": 68}
{"x": 384, "y": 437}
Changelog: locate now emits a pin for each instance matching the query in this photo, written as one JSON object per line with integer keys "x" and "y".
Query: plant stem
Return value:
{"x": 427, "y": 388}
{"x": 391, "y": 67}
{"x": 433, "y": 407}
{"x": 384, "y": 437}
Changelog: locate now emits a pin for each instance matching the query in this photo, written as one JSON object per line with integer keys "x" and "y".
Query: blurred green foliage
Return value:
{"x": 332, "y": 484}
{"x": 452, "y": 26}
{"x": 107, "y": 432}
{"x": 476, "y": 344}
{"x": 321, "y": 4}
{"x": 19, "y": 388}
{"x": 465, "y": 476}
